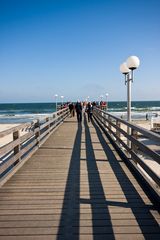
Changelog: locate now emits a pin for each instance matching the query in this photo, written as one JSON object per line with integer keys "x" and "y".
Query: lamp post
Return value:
{"x": 107, "y": 100}
{"x": 62, "y": 99}
{"x": 127, "y": 69}
{"x": 101, "y": 98}
{"x": 100, "y": 102}
{"x": 56, "y": 95}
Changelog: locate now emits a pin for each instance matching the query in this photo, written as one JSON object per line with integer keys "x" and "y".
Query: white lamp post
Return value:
{"x": 62, "y": 99}
{"x": 101, "y": 97}
{"x": 127, "y": 69}
{"x": 107, "y": 99}
{"x": 56, "y": 96}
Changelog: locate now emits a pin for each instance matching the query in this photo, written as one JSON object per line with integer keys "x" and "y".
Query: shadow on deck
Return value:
{"x": 113, "y": 207}
{"x": 76, "y": 187}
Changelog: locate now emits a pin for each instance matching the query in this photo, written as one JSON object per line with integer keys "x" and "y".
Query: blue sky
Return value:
{"x": 75, "y": 47}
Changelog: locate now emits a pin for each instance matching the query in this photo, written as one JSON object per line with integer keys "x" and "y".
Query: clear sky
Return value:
{"x": 75, "y": 47}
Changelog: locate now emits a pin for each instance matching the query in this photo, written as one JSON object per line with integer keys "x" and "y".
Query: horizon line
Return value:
{"x": 76, "y": 101}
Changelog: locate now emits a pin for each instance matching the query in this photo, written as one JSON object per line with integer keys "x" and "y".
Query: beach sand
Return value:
{"x": 143, "y": 123}
{"x": 9, "y": 138}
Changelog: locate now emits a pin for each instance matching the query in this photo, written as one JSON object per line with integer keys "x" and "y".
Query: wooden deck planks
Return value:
{"x": 76, "y": 187}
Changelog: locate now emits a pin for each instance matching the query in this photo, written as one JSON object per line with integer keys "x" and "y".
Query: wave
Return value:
{"x": 155, "y": 108}
{"x": 116, "y": 109}
{"x": 137, "y": 115}
{"x": 38, "y": 115}
{"x": 137, "y": 109}
{"x": 22, "y": 118}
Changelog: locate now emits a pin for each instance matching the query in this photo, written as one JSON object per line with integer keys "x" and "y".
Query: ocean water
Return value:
{"x": 26, "y": 112}
{"x": 139, "y": 109}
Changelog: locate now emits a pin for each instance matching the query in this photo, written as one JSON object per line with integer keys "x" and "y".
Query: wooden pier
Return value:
{"x": 77, "y": 186}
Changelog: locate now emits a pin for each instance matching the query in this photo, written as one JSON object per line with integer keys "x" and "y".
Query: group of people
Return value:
{"x": 81, "y": 108}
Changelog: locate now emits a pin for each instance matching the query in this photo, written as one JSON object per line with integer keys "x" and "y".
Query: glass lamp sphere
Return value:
{"x": 133, "y": 62}
{"x": 124, "y": 69}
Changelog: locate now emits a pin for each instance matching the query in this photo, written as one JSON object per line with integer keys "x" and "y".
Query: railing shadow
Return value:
{"x": 148, "y": 225}
{"x": 101, "y": 220}
{"x": 70, "y": 214}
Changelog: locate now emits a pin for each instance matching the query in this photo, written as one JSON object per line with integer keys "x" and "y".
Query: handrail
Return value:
{"x": 147, "y": 133}
{"x": 16, "y": 152}
{"x": 14, "y": 129}
{"x": 135, "y": 152}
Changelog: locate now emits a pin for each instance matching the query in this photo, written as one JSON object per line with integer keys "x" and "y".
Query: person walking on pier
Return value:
{"x": 78, "y": 108}
{"x": 71, "y": 108}
{"x": 89, "y": 111}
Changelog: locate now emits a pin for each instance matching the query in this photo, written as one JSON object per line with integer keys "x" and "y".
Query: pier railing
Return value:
{"x": 141, "y": 148}
{"x": 25, "y": 139}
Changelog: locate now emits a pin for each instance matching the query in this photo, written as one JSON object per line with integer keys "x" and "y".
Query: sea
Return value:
{"x": 27, "y": 112}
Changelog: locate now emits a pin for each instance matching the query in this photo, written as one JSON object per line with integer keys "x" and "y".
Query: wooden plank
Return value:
{"x": 118, "y": 230}
{"x": 30, "y": 237}
{"x": 84, "y": 217}
{"x": 97, "y": 206}
{"x": 27, "y": 224}
{"x": 28, "y": 231}
{"x": 85, "y": 236}
{"x": 89, "y": 223}
{"x": 83, "y": 230}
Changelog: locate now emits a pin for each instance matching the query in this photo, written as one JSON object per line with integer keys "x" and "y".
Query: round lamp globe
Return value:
{"x": 133, "y": 62}
{"x": 124, "y": 69}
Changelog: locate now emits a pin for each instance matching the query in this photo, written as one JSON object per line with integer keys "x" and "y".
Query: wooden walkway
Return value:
{"x": 76, "y": 187}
